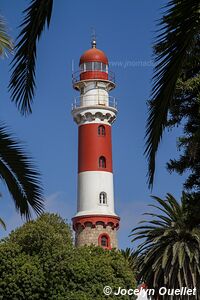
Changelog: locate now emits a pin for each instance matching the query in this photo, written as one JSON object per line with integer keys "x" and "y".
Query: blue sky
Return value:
{"x": 125, "y": 31}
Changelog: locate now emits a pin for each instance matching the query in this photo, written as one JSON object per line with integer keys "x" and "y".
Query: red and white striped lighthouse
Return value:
{"x": 94, "y": 111}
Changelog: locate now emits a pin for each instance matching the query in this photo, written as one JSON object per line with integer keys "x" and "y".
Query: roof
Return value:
{"x": 94, "y": 54}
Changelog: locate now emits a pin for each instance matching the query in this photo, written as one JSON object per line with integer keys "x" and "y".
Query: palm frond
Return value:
{"x": 19, "y": 174}
{"x": 169, "y": 251}
{"x": 2, "y": 224}
{"x": 22, "y": 84}
{"x": 1, "y": 221}
{"x": 179, "y": 28}
{"x": 5, "y": 40}
{"x": 131, "y": 257}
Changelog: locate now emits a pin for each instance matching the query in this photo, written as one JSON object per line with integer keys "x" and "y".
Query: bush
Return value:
{"x": 39, "y": 261}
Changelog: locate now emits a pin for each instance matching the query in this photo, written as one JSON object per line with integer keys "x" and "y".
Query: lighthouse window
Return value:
{"x": 97, "y": 65}
{"x": 102, "y": 162}
{"x": 104, "y": 241}
{"x": 104, "y": 67}
{"x": 103, "y": 198}
{"x": 88, "y": 66}
{"x": 82, "y": 67}
{"x": 101, "y": 130}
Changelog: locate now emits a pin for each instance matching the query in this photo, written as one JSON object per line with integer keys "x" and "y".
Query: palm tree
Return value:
{"x": 131, "y": 257}
{"x": 19, "y": 174}
{"x": 5, "y": 40}
{"x": 1, "y": 221}
{"x": 16, "y": 168}
{"x": 2, "y": 224}
{"x": 22, "y": 84}
{"x": 170, "y": 248}
{"x": 178, "y": 30}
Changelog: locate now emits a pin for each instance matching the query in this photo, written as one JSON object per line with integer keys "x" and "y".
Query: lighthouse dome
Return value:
{"x": 93, "y": 64}
{"x": 93, "y": 55}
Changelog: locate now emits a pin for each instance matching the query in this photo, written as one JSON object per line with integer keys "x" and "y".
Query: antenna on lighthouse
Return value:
{"x": 94, "y": 37}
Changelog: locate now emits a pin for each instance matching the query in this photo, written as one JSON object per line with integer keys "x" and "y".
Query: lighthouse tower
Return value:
{"x": 94, "y": 111}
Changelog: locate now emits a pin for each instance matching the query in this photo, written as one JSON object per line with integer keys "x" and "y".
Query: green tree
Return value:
{"x": 131, "y": 257}
{"x": 22, "y": 276}
{"x": 16, "y": 168}
{"x": 94, "y": 268}
{"x": 179, "y": 29}
{"x": 169, "y": 254}
{"x": 43, "y": 249}
{"x": 185, "y": 112}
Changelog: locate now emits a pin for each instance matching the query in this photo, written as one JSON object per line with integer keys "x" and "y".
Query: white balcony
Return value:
{"x": 101, "y": 101}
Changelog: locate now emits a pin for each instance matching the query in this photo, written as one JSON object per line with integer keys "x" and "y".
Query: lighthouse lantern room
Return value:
{"x": 94, "y": 111}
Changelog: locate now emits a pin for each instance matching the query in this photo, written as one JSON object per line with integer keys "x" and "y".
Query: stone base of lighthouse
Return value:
{"x": 96, "y": 230}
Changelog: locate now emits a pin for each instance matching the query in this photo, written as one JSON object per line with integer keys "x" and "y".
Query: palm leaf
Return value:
{"x": 179, "y": 28}
{"x": 20, "y": 176}
{"x": 22, "y": 84}
{"x": 1, "y": 221}
{"x": 165, "y": 257}
{"x": 2, "y": 224}
{"x": 168, "y": 256}
{"x": 164, "y": 218}
{"x": 5, "y": 39}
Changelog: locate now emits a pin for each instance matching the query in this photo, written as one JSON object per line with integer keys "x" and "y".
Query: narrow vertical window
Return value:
{"x": 102, "y": 162}
{"x": 103, "y": 198}
{"x": 104, "y": 68}
{"x": 81, "y": 67}
{"x": 104, "y": 241}
{"x": 101, "y": 130}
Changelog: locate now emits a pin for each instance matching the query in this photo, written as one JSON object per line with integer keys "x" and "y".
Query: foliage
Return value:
{"x": 5, "y": 39}
{"x": 19, "y": 174}
{"x": 41, "y": 255}
{"x": 131, "y": 257}
{"x": 2, "y": 224}
{"x": 170, "y": 250}
{"x": 185, "y": 111}
{"x": 21, "y": 274}
{"x": 44, "y": 234}
{"x": 22, "y": 83}
{"x": 16, "y": 168}
{"x": 1, "y": 221}
{"x": 95, "y": 268}
{"x": 179, "y": 28}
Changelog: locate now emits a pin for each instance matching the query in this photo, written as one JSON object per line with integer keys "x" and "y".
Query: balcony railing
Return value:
{"x": 94, "y": 100}
{"x": 96, "y": 74}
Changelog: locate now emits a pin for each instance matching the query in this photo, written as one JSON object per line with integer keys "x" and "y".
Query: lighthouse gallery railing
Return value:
{"x": 94, "y": 100}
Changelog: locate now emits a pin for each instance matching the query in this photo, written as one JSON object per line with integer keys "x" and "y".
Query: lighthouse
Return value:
{"x": 94, "y": 111}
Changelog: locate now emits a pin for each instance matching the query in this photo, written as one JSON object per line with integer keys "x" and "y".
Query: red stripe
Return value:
{"x": 92, "y": 146}
{"x": 93, "y": 75}
{"x": 94, "y": 219}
